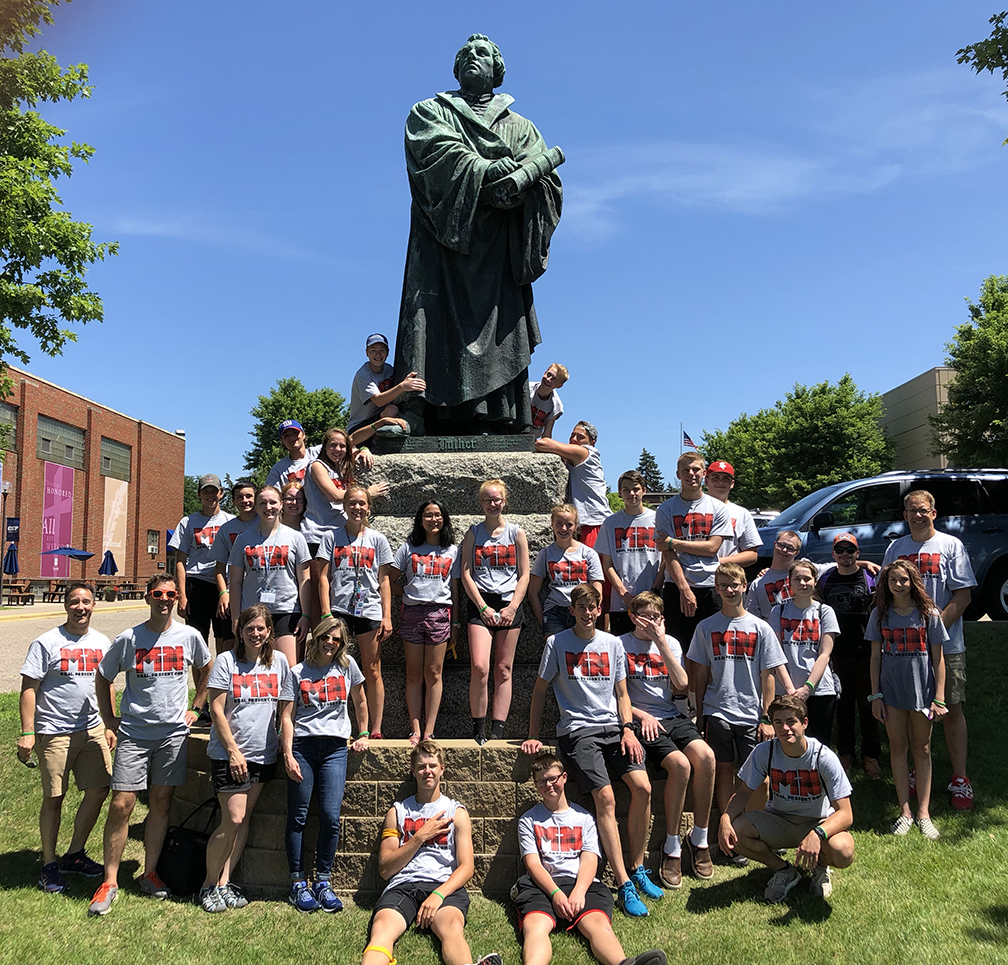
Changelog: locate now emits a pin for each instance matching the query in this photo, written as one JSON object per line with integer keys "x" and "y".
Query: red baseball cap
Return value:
{"x": 721, "y": 466}
{"x": 845, "y": 538}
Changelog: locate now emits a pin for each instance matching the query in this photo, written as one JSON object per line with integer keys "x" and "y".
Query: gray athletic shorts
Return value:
{"x": 140, "y": 763}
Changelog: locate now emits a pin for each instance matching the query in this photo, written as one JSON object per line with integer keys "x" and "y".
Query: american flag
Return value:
{"x": 687, "y": 441}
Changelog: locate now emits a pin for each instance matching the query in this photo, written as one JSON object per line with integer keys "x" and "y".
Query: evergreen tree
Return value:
{"x": 647, "y": 466}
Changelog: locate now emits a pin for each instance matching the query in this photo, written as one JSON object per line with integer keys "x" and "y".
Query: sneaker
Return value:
{"x": 670, "y": 871}
{"x": 913, "y": 784}
{"x": 781, "y": 883}
{"x": 847, "y": 763}
{"x": 151, "y": 884}
{"x": 212, "y": 900}
{"x": 654, "y": 956}
{"x": 642, "y": 881}
{"x": 629, "y": 901}
{"x": 821, "y": 884}
{"x": 326, "y": 897}
{"x": 301, "y": 897}
{"x": 872, "y": 768}
{"x": 103, "y": 898}
{"x": 962, "y": 794}
{"x": 902, "y": 825}
{"x": 233, "y": 897}
{"x": 703, "y": 866}
{"x": 80, "y": 864}
{"x": 492, "y": 958}
{"x": 928, "y": 829}
{"x": 738, "y": 860}
{"x": 51, "y": 880}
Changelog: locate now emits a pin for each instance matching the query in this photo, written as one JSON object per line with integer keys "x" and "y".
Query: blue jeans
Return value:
{"x": 323, "y": 763}
{"x": 556, "y": 619}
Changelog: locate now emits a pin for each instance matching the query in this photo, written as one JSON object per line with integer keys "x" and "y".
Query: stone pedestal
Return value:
{"x": 536, "y": 482}
{"x": 492, "y": 781}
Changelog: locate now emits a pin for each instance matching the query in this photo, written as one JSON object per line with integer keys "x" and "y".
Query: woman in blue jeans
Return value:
{"x": 314, "y": 733}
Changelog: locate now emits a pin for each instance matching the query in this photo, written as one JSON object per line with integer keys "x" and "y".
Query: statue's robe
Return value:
{"x": 466, "y": 323}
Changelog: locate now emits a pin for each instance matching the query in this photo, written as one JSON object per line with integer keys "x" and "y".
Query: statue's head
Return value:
{"x": 479, "y": 64}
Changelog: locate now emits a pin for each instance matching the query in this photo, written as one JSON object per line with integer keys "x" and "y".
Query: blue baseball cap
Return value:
{"x": 376, "y": 339}
{"x": 289, "y": 424}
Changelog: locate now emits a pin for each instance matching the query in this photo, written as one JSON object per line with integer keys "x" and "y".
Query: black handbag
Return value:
{"x": 182, "y": 865}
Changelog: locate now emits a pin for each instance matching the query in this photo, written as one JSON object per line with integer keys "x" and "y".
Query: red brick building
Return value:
{"x": 87, "y": 476}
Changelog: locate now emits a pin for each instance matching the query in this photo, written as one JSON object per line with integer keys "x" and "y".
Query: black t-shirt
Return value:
{"x": 851, "y": 599}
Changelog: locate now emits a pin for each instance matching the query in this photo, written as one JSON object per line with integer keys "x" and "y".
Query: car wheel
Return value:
{"x": 996, "y": 591}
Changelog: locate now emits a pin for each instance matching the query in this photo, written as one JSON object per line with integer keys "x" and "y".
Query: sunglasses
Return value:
{"x": 167, "y": 594}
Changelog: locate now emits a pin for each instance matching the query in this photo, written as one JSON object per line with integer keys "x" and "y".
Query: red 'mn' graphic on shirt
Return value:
{"x": 385, "y": 385}
{"x": 84, "y": 660}
{"x": 645, "y": 665}
{"x": 432, "y": 565}
{"x": 587, "y": 664}
{"x": 568, "y": 571}
{"x": 496, "y": 555}
{"x": 797, "y": 783}
{"x": 251, "y": 686}
{"x": 904, "y": 639}
{"x": 779, "y": 591}
{"x": 160, "y": 660}
{"x": 205, "y": 536}
{"x": 694, "y": 526}
{"x": 802, "y": 631}
{"x": 929, "y": 564}
{"x": 255, "y": 556}
{"x": 538, "y": 417}
{"x": 412, "y": 825}
{"x": 635, "y": 537}
{"x": 552, "y": 839}
{"x": 734, "y": 643}
{"x": 356, "y": 557}
{"x": 328, "y": 690}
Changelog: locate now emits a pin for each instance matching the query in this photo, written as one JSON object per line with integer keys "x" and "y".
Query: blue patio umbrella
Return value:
{"x": 108, "y": 565}
{"x": 69, "y": 551}
{"x": 10, "y": 561}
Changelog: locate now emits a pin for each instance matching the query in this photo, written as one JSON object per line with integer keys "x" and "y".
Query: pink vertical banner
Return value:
{"x": 57, "y": 519}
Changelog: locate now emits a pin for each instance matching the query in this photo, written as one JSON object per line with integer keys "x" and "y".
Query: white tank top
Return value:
{"x": 495, "y": 560}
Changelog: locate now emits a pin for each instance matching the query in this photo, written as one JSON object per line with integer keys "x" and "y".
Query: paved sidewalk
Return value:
{"x": 20, "y": 625}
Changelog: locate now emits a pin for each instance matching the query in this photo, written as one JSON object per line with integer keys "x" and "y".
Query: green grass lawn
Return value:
{"x": 904, "y": 900}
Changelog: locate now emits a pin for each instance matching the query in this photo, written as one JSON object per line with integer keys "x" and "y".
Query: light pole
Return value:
{"x": 5, "y": 488}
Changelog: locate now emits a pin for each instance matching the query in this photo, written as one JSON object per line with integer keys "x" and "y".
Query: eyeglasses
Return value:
{"x": 432, "y": 516}
{"x": 167, "y": 594}
{"x": 551, "y": 781}
{"x": 729, "y": 586}
{"x": 786, "y": 548}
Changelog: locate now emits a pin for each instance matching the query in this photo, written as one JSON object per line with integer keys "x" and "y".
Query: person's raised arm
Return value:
{"x": 568, "y": 451}
{"x": 412, "y": 383}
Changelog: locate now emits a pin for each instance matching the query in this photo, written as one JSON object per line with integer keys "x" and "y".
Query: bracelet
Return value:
{"x": 553, "y": 892}
{"x": 221, "y": 593}
{"x": 31, "y": 733}
{"x": 363, "y": 733}
{"x": 938, "y": 703}
{"x": 765, "y": 719}
{"x": 821, "y": 831}
{"x": 484, "y": 607}
{"x": 438, "y": 893}
{"x": 456, "y": 623}
{"x": 811, "y": 686}
{"x": 877, "y": 696}
{"x": 390, "y": 833}
{"x": 373, "y": 428}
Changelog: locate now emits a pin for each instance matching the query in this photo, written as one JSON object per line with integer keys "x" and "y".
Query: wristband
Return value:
{"x": 938, "y": 703}
{"x": 221, "y": 593}
{"x": 390, "y": 833}
{"x": 811, "y": 686}
{"x": 821, "y": 831}
{"x": 877, "y": 696}
{"x": 438, "y": 893}
{"x": 31, "y": 733}
{"x": 456, "y": 623}
{"x": 765, "y": 719}
{"x": 373, "y": 429}
{"x": 629, "y": 724}
{"x": 553, "y": 892}
{"x": 363, "y": 733}
{"x": 195, "y": 709}
{"x": 484, "y": 607}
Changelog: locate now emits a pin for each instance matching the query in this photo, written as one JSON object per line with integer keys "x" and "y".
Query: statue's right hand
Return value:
{"x": 501, "y": 168}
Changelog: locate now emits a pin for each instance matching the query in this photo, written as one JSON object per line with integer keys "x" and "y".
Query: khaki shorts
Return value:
{"x": 781, "y": 830}
{"x": 955, "y": 678}
{"x": 85, "y": 752}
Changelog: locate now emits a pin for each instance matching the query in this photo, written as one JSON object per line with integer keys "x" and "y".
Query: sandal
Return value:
{"x": 902, "y": 825}
{"x": 377, "y": 736}
{"x": 414, "y": 739}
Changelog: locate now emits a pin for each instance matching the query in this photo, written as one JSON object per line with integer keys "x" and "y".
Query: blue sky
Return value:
{"x": 754, "y": 195}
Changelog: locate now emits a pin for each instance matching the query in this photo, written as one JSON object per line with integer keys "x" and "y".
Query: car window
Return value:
{"x": 994, "y": 496}
{"x": 953, "y": 497}
{"x": 869, "y": 504}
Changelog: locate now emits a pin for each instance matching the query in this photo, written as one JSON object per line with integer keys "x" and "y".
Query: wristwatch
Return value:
{"x": 820, "y": 831}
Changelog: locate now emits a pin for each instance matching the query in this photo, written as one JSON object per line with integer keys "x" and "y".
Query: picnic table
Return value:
{"x": 18, "y": 593}
{"x": 57, "y": 588}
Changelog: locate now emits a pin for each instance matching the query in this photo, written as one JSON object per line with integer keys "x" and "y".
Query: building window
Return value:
{"x": 8, "y": 418}
{"x": 115, "y": 459}
{"x": 153, "y": 541}
{"x": 60, "y": 443}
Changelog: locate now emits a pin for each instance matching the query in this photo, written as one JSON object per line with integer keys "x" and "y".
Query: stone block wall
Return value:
{"x": 492, "y": 781}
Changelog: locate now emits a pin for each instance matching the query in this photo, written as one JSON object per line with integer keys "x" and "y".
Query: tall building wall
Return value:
{"x": 905, "y": 422}
{"x": 151, "y": 459}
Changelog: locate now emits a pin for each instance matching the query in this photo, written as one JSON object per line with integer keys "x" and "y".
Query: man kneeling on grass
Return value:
{"x": 809, "y": 806}
{"x": 560, "y": 848}
{"x": 426, "y": 854}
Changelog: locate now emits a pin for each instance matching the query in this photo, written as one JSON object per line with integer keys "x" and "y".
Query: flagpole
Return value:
{"x": 681, "y": 448}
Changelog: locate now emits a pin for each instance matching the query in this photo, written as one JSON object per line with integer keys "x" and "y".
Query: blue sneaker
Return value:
{"x": 630, "y": 902}
{"x": 51, "y": 880}
{"x": 326, "y": 897}
{"x": 301, "y": 897}
{"x": 81, "y": 864}
{"x": 642, "y": 879}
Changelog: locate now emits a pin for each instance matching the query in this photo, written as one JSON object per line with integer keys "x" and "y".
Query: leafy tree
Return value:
{"x": 44, "y": 253}
{"x": 990, "y": 54}
{"x": 971, "y": 427}
{"x": 816, "y": 436}
{"x": 647, "y": 466}
{"x": 317, "y": 410}
{"x": 190, "y": 496}
{"x": 616, "y": 503}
